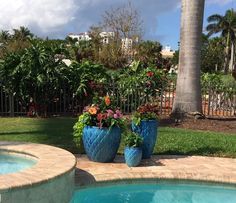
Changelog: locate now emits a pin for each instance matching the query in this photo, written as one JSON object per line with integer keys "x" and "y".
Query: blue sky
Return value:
{"x": 168, "y": 23}
{"x": 58, "y": 18}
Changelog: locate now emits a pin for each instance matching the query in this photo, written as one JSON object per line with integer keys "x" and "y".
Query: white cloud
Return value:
{"x": 43, "y": 16}
{"x": 56, "y": 18}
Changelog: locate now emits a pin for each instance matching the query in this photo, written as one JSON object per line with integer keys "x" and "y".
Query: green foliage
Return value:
{"x": 151, "y": 80}
{"x": 38, "y": 71}
{"x": 175, "y": 59}
{"x": 132, "y": 139}
{"x": 226, "y": 26}
{"x": 218, "y": 81}
{"x": 211, "y": 80}
{"x": 149, "y": 52}
{"x": 212, "y": 52}
{"x": 138, "y": 117}
{"x": 145, "y": 112}
{"x": 86, "y": 78}
{"x": 78, "y": 132}
{"x": 228, "y": 81}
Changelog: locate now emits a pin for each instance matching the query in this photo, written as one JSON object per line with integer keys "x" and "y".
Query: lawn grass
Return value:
{"x": 58, "y": 132}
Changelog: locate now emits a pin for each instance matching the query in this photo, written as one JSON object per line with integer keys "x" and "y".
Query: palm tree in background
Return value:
{"x": 226, "y": 25}
{"x": 22, "y": 33}
{"x": 188, "y": 90}
{"x": 4, "y": 36}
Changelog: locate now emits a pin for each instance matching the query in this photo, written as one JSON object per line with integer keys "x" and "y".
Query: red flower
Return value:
{"x": 150, "y": 73}
{"x": 100, "y": 117}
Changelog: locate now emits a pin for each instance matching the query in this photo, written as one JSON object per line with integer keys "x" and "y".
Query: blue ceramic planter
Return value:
{"x": 101, "y": 144}
{"x": 133, "y": 156}
{"x": 148, "y": 131}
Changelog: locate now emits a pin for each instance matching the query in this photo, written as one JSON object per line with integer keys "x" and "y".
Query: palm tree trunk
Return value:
{"x": 188, "y": 90}
{"x": 227, "y": 54}
{"x": 231, "y": 63}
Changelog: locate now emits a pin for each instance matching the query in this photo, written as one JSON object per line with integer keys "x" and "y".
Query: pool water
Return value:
{"x": 156, "y": 193}
{"x": 12, "y": 163}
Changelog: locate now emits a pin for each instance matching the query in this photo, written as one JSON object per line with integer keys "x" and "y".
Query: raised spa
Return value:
{"x": 160, "y": 192}
{"x": 33, "y": 173}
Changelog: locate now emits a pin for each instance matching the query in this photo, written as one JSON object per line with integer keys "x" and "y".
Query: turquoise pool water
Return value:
{"x": 12, "y": 163}
{"x": 156, "y": 193}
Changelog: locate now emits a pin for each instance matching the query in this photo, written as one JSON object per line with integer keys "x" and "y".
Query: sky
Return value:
{"x": 57, "y": 18}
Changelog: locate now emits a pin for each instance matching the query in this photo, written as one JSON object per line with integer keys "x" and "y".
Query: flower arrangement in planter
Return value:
{"x": 101, "y": 125}
{"x": 145, "y": 123}
{"x": 133, "y": 148}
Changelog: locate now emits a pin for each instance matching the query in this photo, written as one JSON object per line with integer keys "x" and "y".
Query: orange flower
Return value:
{"x": 92, "y": 110}
{"x": 107, "y": 100}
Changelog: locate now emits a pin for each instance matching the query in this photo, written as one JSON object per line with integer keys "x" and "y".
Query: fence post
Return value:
{"x": 11, "y": 104}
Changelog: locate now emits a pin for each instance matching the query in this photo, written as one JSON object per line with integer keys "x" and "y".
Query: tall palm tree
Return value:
{"x": 226, "y": 25}
{"x": 188, "y": 90}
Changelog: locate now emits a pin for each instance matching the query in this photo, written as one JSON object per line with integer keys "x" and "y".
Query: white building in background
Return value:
{"x": 105, "y": 36}
{"x": 126, "y": 44}
{"x": 84, "y": 36}
{"x": 167, "y": 52}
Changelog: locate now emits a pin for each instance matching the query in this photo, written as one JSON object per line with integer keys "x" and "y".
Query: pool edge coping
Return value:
{"x": 92, "y": 177}
{"x": 52, "y": 162}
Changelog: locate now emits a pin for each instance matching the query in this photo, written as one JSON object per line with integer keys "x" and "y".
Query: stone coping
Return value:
{"x": 51, "y": 162}
{"x": 194, "y": 168}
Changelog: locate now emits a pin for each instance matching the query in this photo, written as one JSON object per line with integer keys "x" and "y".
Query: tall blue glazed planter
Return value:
{"x": 101, "y": 144}
{"x": 133, "y": 156}
{"x": 148, "y": 131}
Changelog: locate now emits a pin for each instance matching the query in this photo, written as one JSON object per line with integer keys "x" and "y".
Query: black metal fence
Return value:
{"x": 215, "y": 102}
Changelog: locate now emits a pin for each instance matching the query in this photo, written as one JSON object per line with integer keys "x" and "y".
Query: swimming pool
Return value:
{"x": 162, "y": 192}
{"x": 10, "y": 163}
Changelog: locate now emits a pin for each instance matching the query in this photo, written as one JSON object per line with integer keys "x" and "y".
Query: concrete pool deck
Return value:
{"x": 196, "y": 168}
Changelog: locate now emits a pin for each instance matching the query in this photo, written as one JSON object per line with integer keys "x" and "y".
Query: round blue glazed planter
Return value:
{"x": 101, "y": 144}
{"x": 133, "y": 156}
{"x": 148, "y": 131}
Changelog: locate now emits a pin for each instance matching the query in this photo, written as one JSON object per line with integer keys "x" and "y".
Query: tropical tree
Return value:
{"x": 149, "y": 52}
{"x": 211, "y": 53}
{"x": 22, "y": 33}
{"x": 4, "y": 36}
{"x": 4, "y": 39}
{"x": 124, "y": 21}
{"x": 188, "y": 90}
{"x": 16, "y": 42}
{"x": 226, "y": 25}
{"x": 125, "y": 26}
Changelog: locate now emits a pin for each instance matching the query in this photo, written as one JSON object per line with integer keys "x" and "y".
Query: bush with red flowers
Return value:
{"x": 146, "y": 112}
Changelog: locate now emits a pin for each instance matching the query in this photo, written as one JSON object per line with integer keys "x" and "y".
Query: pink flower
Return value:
{"x": 110, "y": 113}
{"x": 119, "y": 114}
{"x": 116, "y": 116}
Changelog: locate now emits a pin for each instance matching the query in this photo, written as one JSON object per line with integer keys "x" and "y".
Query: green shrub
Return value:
{"x": 78, "y": 133}
{"x": 132, "y": 139}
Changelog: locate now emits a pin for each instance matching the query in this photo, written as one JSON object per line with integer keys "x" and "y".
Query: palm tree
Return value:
{"x": 22, "y": 33}
{"x": 4, "y": 36}
{"x": 188, "y": 90}
{"x": 226, "y": 25}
